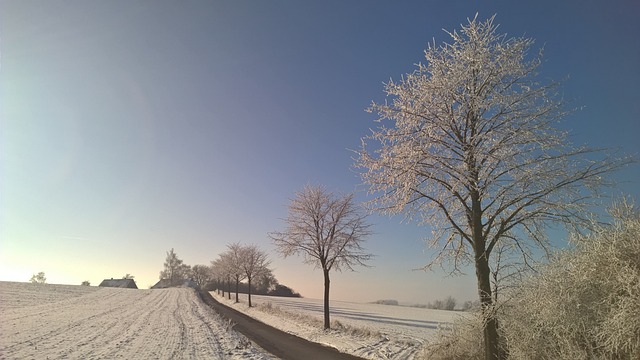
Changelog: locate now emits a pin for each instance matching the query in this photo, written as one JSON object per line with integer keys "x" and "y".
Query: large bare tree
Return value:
{"x": 328, "y": 230}
{"x": 473, "y": 151}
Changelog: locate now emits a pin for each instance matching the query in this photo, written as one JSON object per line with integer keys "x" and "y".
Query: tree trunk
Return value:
{"x": 492, "y": 349}
{"x": 327, "y": 324}
{"x": 483, "y": 274}
{"x": 237, "y": 284}
{"x": 229, "y": 288}
{"x": 249, "y": 281}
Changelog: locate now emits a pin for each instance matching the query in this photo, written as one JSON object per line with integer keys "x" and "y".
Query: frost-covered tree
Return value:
{"x": 472, "y": 149}
{"x": 174, "y": 269}
{"x": 234, "y": 259}
{"x": 328, "y": 230}
{"x": 221, "y": 274}
{"x": 255, "y": 264}
{"x": 38, "y": 278}
{"x": 266, "y": 282}
{"x": 86, "y": 283}
{"x": 201, "y": 275}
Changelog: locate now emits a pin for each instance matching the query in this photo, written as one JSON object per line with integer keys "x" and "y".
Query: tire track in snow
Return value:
{"x": 45, "y": 323}
{"x": 127, "y": 338}
{"x": 179, "y": 343}
{"x": 120, "y": 323}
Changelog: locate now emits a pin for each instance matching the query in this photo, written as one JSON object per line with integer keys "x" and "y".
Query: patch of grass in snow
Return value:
{"x": 228, "y": 325}
{"x": 336, "y": 326}
{"x": 354, "y": 330}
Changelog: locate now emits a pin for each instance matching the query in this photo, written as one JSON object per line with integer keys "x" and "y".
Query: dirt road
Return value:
{"x": 277, "y": 342}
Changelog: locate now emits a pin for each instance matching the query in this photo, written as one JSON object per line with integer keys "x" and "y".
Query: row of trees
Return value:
{"x": 239, "y": 263}
{"x": 176, "y": 272}
{"x": 449, "y": 303}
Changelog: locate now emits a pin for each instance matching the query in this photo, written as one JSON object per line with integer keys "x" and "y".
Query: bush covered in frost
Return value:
{"x": 585, "y": 304}
{"x": 462, "y": 341}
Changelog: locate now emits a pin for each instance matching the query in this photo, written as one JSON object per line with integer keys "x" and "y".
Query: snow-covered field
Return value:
{"x": 371, "y": 331}
{"x": 78, "y": 322}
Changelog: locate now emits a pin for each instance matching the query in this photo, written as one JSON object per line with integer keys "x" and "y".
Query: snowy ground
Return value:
{"x": 78, "y": 322}
{"x": 371, "y": 331}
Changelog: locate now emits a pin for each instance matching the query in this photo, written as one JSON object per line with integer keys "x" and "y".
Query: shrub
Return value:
{"x": 470, "y": 305}
{"x": 461, "y": 341}
{"x": 447, "y": 304}
{"x": 38, "y": 278}
{"x": 585, "y": 304}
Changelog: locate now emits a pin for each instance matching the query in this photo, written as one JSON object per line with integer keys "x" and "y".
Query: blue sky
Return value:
{"x": 129, "y": 128}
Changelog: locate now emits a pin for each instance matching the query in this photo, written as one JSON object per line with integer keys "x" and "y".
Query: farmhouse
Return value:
{"x": 119, "y": 283}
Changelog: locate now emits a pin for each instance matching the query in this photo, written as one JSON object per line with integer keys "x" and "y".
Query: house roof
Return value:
{"x": 119, "y": 283}
{"x": 162, "y": 284}
{"x": 166, "y": 283}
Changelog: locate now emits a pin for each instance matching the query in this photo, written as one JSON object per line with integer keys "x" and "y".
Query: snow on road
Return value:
{"x": 74, "y": 322}
{"x": 372, "y": 331}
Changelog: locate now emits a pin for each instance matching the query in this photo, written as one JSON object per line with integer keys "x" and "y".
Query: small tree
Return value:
{"x": 174, "y": 269}
{"x": 201, "y": 275}
{"x": 219, "y": 273}
{"x": 254, "y": 264}
{"x": 265, "y": 282}
{"x": 223, "y": 268}
{"x": 449, "y": 303}
{"x": 128, "y": 276}
{"x": 38, "y": 278}
{"x": 234, "y": 258}
{"x": 472, "y": 150}
{"x": 86, "y": 283}
{"x": 328, "y": 230}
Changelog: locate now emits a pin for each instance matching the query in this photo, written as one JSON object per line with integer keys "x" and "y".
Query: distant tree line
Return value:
{"x": 245, "y": 268}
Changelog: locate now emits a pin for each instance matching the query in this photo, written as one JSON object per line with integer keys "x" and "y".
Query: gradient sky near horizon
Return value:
{"x": 130, "y": 128}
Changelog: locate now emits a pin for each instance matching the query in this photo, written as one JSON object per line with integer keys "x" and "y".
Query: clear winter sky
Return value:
{"x": 132, "y": 127}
